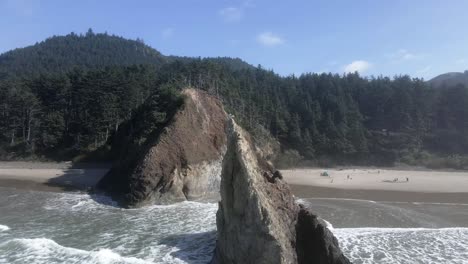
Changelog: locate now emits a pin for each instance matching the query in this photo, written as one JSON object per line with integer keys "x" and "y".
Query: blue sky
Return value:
{"x": 422, "y": 38}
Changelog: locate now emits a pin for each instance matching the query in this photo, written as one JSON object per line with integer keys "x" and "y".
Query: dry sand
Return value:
{"x": 50, "y": 176}
{"x": 378, "y": 184}
{"x": 364, "y": 183}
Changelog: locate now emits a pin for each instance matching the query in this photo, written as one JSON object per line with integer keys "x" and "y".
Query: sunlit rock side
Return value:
{"x": 258, "y": 220}
{"x": 184, "y": 163}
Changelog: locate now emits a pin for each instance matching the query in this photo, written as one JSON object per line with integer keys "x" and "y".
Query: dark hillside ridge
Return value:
{"x": 450, "y": 79}
{"x": 60, "y": 54}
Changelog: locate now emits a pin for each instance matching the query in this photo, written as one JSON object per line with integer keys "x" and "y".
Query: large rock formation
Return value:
{"x": 258, "y": 220}
{"x": 183, "y": 163}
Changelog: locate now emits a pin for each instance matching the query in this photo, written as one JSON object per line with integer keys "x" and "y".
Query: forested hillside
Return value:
{"x": 64, "y": 53}
{"x": 61, "y": 54}
{"x": 52, "y": 109}
{"x": 450, "y": 79}
{"x": 342, "y": 117}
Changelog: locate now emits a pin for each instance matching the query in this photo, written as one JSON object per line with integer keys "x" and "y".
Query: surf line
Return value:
{"x": 343, "y": 199}
{"x": 387, "y": 202}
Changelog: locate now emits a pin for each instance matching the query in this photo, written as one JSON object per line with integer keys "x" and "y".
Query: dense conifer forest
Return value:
{"x": 88, "y": 95}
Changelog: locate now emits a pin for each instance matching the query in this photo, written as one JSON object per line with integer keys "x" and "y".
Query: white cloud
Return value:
{"x": 461, "y": 61}
{"x": 403, "y": 55}
{"x": 235, "y": 13}
{"x": 269, "y": 39}
{"x": 360, "y": 66}
{"x": 167, "y": 33}
{"x": 231, "y": 14}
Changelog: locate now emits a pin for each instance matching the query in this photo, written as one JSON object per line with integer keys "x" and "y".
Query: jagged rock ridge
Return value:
{"x": 184, "y": 163}
{"x": 258, "y": 220}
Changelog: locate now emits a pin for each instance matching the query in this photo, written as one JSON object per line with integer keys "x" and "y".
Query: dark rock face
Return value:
{"x": 184, "y": 163}
{"x": 258, "y": 220}
{"x": 314, "y": 242}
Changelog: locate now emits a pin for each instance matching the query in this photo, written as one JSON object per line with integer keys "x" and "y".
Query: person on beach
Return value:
{"x": 407, "y": 179}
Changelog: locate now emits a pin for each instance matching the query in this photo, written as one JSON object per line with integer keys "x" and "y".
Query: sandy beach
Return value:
{"x": 356, "y": 183}
{"x": 380, "y": 184}
{"x": 50, "y": 176}
{"x": 372, "y": 197}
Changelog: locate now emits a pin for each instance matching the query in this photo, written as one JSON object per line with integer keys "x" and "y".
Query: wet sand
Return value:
{"x": 431, "y": 199}
{"x": 306, "y": 191}
{"x": 348, "y": 213}
{"x": 50, "y": 176}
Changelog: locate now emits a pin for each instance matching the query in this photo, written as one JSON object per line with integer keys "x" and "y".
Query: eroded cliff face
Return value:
{"x": 184, "y": 162}
{"x": 258, "y": 220}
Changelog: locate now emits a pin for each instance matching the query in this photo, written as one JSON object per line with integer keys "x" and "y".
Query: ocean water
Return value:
{"x": 40, "y": 227}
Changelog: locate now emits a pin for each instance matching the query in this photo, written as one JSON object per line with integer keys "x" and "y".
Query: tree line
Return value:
{"x": 341, "y": 116}
{"x": 71, "y": 113}
{"x": 53, "y": 111}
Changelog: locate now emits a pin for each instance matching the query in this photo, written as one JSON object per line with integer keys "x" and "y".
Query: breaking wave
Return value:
{"x": 404, "y": 245}
{"x": 43, "y": 250}
{"x": 82, "y": 228}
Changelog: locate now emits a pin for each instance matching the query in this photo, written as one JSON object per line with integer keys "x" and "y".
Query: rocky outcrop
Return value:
{"x": 258, "y": 220}
{"x": 314, "y": 241}
{"x": 183, "y": 163}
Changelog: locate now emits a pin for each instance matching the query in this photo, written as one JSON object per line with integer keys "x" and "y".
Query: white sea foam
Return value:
{"x": 424, "y": 203}
{"x": 303, "y": 200}
{"x": 43, "y": 250}
{"x": 4, "y": 228}
{"x": 329, "y": 225}
{"x": 404, "y": 245}
{"x": 78, "y": 202}
{"x": 91, "y": 229}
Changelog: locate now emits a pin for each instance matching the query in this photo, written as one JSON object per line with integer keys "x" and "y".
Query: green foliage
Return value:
{"x": 453, "y": 161}
{"x": 435, "y": 161}
{"x": 288, "y": 159}
{"x": 77, "y": 112}
{"x": 76, "y": 94}
{"x": 60, "y": 54}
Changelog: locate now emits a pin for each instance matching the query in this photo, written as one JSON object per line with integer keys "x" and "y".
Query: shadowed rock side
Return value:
{"x": 184, "y": 163}
{"x": 258, "y": 220}
{"x": 314, "y": 242}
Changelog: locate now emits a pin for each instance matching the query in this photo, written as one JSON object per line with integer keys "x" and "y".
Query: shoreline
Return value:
{"x": 400, "y": 167}
{"x": 28, "y": 185}
{"x": 381, "y": 179}
{"x": 51, "y": 176}
{"x": 379, "y": 184}
{"x": 317, "y": 192}
{"x": 366, "y": 184}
